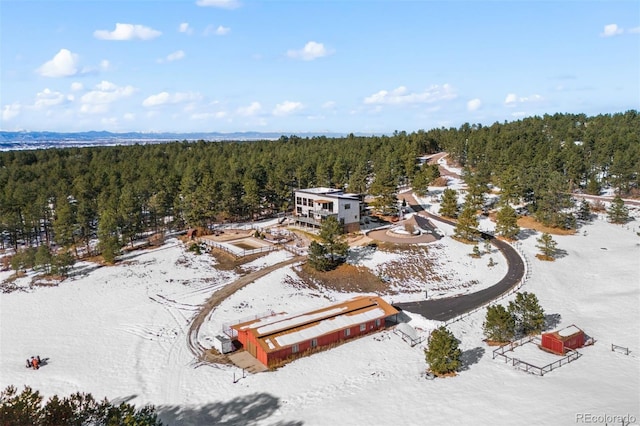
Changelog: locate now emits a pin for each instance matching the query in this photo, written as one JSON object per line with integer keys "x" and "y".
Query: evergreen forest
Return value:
{"x": 71, "y": 196}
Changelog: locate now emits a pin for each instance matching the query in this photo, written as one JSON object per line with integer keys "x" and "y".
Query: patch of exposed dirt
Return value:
{"x": 530, "y": 223}
{"x": 406, "y": 274}
{"x": 228, "y": 262}
{"x": 345, "y": 278}
{"x": 441, "y": 181}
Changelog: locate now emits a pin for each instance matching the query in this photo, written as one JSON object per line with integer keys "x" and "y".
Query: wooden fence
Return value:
{"x": 239, "y": 252}
{"x": 621, "y": 349}
{"x": 572, "y": 355}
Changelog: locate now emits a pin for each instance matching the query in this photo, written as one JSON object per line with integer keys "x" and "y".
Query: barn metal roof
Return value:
{"x": 278, "y": 331}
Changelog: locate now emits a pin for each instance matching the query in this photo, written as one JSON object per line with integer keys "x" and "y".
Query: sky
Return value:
{"x": 311, "y": 66}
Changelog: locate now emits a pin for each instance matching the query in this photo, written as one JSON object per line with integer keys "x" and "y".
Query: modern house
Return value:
{"x": 559, "y": 341}
{"x": 281, "y": 337}
{"x": 314, "y": 205}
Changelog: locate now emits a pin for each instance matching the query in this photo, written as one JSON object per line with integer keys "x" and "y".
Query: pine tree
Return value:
{"x": 449, "y": 203}
{"x": 318, "y": 257}
{"x": 64, "y": 224}
{"x": 443, "y": 354}
{"x": 467, "y": 226}
{"x": 109, "y": 242}
{"x": 43, "y": 258}
{"x": 499, "y": 324}
{"x": 584, "y": 210}
{"x": 618, "y": 212}
{"x": 507, "y": 222}
{"x": 331, "y": 249}
{"x": 26, "y": 409}
{"x": 547, "y": 246}
{"x": 527, "y": 313}
{"x": 331, "y": 235}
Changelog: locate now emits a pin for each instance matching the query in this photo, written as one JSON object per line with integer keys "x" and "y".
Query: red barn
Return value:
{"x": 559, "y": 341}
{"x": 284, "y": 336}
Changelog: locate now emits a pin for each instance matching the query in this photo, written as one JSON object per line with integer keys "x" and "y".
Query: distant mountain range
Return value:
{"x": 40, "y": 140}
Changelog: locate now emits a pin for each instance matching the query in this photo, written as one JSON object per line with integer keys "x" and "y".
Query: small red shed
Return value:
{"x": 559, "y": 341}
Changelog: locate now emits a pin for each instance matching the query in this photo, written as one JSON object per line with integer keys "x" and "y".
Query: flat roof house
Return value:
{"x": 314, "y": 205}
{"x": 282, "y": 337}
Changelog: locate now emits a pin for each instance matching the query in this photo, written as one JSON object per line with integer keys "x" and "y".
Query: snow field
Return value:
{"x": 120, "y": 331}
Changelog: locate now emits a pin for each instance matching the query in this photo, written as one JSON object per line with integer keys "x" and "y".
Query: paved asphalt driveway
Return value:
{"x": 451, "y": 307}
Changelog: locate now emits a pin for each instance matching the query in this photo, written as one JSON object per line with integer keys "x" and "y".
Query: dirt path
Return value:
{"x": 192, "y": 334}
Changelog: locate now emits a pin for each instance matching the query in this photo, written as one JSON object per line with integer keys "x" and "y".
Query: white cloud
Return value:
{"x": 611, "y": 30}
{"x": 329, "y": 105}
{"x": 401, "y": 96}
{"x": 213, "y": 30}
{"x": 76, "y": 86}
{"x": 94, "y": 108}
{"x": 166, "y": 98}
{"x": 635, "y": 30}
{"x": 222, "y": 4}
{"x": 222, "y": 30}
{"x": 63, "y": 64}
{"x": 287, "y": 107}
{"x": 127, "y": 32}
{"x": 252, "y": 109}
{"x": 48, "y": 98}
{"x": 185, "y": 28}
{"x": 518, "y": 114}
{"x": 512, "y": 99}
{"x": 105, "y": 93}
{"x": 310, "y": 51}
{"x": 105, "y": 65}
{"x": 11, "y": 111}
{"x": 129, "y": 116}
{"x": 174, "y": 56}
{"x": 209, "y": 115}
{"x": 109, "y": 121}
{"x": 474, "y": 104}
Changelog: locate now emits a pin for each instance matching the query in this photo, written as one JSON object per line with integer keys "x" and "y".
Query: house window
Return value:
{"x": 314, "y": 343}
{"x": 298, "y": 200}
{"x": 363, "y": 327}
{"x": 378, "y": 322}
{"x": 304, "y": 201}
{"x": 347, "y": 332}
{"x": 299, "y": 210}
{"x": 294, "y": 349}
{"x": 347, "y": 206}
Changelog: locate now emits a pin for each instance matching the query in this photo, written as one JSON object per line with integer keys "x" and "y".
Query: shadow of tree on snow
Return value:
{"x": 526, "y": 233}
{"x": 241, "y": 411}
{"x": 551, "y": 321}
{"x": 470, "y": 357}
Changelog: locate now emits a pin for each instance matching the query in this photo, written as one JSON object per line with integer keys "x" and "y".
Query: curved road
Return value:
{"x": 451, "y": 307}
{"x": 192, "y": 334}
{"x": 438, "y": 309}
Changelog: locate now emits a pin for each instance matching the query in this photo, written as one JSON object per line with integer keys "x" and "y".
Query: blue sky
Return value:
{"x": 311, "y": 66}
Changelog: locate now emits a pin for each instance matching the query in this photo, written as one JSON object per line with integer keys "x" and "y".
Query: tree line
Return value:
{"x": 71, "y": 196}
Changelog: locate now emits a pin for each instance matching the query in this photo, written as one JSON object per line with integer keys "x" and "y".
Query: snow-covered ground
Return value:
{"x": 120, "y": 332}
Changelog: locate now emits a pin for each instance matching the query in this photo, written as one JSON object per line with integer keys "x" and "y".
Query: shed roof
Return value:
{"x": 279, "y": 331}
{"x": 565, "y": 333}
